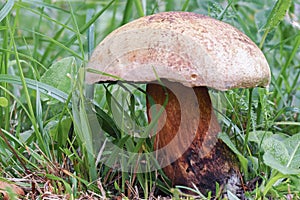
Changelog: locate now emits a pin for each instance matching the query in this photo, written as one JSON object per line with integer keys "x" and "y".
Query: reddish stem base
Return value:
{"x": 188, "y": 140}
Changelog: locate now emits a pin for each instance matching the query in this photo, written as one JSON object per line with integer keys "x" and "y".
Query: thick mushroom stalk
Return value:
{"x": 207, "y": 159}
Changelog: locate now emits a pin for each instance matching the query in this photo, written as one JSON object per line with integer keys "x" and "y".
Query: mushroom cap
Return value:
{"x": 184, "y": 47}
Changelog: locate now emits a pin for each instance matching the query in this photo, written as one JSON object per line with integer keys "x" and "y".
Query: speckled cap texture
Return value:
{"x": 184, "y": 47}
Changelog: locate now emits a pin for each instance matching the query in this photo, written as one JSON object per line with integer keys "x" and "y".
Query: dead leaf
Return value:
{"x": 4, "y": 186}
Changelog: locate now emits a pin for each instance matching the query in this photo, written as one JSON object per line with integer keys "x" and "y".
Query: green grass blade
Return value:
{"x": 249, "y": 117}
{"x": 51, "y": 45}
{"x": 30, "y": 58}
{"x": 77, "y": 31}
{"x": 139, "y": 7}
{"x": 39, "y": 111}
{"x": 277, "y": 14}
{"x": 59, "y": 44}
{"x": 27, "y": 96}
{"x": 241, "y": 21}
{"x": 85, "y": 27}
{"x": 6, "y": 9}
{"x": 32, "y": 3}
{"x": 15, "y": 140}
{"x": 33, "y": 84}
{"x": 90, "y": 33}
{"x": 128, "y": 12}
{"x": 170, "y": 5}
{"x": 113, "y": 20}
{"x": 185, "y": 5}
{"x": 17, "y": 100}
{"x": 287, "y": 64}
{"x": 4, "y": 60}
{"x": 50, "y": 19}
{"x": 221, "y": 15}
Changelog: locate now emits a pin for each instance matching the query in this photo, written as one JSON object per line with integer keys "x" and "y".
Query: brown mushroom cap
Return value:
{"x": 184, "y": 47}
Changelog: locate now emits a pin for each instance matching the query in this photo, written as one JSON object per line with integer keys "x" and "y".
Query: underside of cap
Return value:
{"x": 184, "y": 47}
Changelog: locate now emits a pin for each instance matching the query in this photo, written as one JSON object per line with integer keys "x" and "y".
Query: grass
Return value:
{"x": 49, "y": 144}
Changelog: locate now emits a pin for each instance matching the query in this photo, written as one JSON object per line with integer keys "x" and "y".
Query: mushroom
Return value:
{"x": 189, "y": 53}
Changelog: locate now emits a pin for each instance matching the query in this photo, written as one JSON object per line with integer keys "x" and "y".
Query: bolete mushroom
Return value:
{"x": 188, "y": 52}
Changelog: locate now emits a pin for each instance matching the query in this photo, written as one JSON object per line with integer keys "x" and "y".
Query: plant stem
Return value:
{"x": 4, "y": 70}
{"x": 263, "y": 38}
{"x": 249, "y": 117}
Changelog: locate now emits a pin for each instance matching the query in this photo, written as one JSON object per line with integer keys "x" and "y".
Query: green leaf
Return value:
{"x": 283, "y": 153}
{"x": 277, "y": 14}
{"x": 58, "y": 74}
{"x": 3, "y": 102}
{"x": 293, "y": 146}
{"x": 259, "y": 136}
{"x": 56, "y": 128}
{"x": 107, "y": 123}
{"x": 272, "y": 161}
{"x": 277, "y": 149}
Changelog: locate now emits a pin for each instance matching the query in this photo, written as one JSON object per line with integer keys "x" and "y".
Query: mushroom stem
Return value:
{"x": 204, "y": 160}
